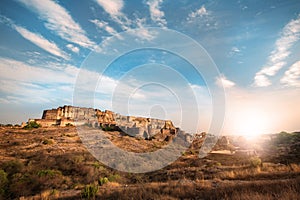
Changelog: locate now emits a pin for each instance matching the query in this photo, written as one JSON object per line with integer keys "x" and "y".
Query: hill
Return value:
{"x": 52, "y": 163}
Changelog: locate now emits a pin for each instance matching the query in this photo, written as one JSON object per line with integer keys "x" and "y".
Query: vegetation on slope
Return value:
{"x": 64, "y": 169}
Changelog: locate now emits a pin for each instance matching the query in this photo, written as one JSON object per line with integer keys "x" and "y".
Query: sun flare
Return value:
{"x": 251, "y": 123}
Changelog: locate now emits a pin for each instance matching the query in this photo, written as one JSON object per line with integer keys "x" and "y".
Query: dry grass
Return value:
{"x": 131, "y": 144}
{"x": 61, "y": 168}
{"x": 209, "y": 189}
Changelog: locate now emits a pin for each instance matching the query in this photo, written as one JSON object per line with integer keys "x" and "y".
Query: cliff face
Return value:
{"x": 134, "y": 126}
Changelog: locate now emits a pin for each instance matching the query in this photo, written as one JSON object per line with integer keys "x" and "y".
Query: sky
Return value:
{"x": 250, "y": 54}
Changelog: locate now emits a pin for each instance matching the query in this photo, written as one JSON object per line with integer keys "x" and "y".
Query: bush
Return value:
{"x": 48, "y": 172}
{"x": 103, "y": 181}
{"x": 23, "y": 184}
{"x": 13, "y": 167}
{"x": 114, "y": 178}
{"x": 3, "y": 183}
{"x": 255, "y": 162}
{"x": 49, "y": 178}
{"x": 32, "y": 124}
{"x": 89, "y": 191}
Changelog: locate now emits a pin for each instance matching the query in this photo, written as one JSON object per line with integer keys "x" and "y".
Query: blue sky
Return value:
{"x": 254, "y": 44}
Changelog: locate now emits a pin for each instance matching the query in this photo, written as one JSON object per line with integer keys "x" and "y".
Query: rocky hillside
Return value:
{"x": 52, "y": 163}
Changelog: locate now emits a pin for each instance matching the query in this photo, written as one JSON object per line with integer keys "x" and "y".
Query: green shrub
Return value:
{"x": 48, "y": 172}
{"x": 78, "y": 159}
{"x": 32, "y": 124}
{"x": 23, "y": 184}
{"x": 255, "y": 162}
{"x": 89, "y": 191}
{"x": 96, "y": 165}
{"x": 113, "y": 178}
{"x": 3, "y": 183}
{"x": 103, "y": 181}
{"x": 13, "y": 166}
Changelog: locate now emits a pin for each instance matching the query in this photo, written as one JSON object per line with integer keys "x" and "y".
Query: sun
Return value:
{"x": 251, "y": 123}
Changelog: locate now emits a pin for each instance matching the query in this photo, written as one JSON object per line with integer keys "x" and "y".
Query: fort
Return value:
{"x": 108, "y": 120}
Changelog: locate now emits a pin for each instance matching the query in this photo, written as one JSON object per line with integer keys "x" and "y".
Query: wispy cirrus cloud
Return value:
{"x": 292, "y": 76}
{"x": 26, "y": 83}
{"x": 135, "y": 27}
{"x": 58, "y": 20}
{"x": 277, "y": 59}
{"x": 157, "y": 15}
{"x": 36, "y": 39}
{"x": 142, "y": 32}
{"x": 104, "y": 25}
{"x": 222, "y": 81}
{"x": 114, "y": 9}
{"x": 22, "y": 72}
{"x": 41, "y": 42}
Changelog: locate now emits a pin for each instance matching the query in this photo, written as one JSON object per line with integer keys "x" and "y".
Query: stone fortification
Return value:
{"x": 134, "y": 126}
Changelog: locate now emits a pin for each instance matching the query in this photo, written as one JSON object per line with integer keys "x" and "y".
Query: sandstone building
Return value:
{"x": 134, "y": 126}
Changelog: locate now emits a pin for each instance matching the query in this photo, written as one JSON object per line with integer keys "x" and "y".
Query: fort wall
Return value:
{"x": 134, "y": 126}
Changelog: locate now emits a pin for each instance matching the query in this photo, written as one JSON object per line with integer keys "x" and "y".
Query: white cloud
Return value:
{"x": 58, "y": 19}
{"x": 222, "y": 81}
{"x": 199, "y": 13}
{"x": 289, "y": 36}
{"x": 28, "y": 83}
{"x": 234, "y": 51}
{"x": 41, "y": 42}
{"x": 73, "y": 48}
{"x": 141, "y": 32}
{"x": 157, "y": 15}
{"x": 48, "y": 83}
{"x": 202, "y": 19}
{"x": 4, "y": 101}
{"x": 17, "y": 92}
{"x": 36, "y": 39}
{"x": 19, "y": 71}
{"x": 104, "y": 25}
{"x": 261, "y": 80}
{"x": 292, "y": 76}
{"x": 112, "y": 7}
{"x": 135, "y": 27}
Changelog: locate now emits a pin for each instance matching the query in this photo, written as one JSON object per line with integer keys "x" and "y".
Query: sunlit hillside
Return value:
{"x": 52, "y": 163}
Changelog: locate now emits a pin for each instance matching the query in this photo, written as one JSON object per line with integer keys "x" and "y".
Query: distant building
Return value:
{"x": 134, "y": 126}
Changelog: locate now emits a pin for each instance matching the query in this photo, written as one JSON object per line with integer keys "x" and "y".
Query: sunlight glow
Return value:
{"x": 251, "y": 123}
